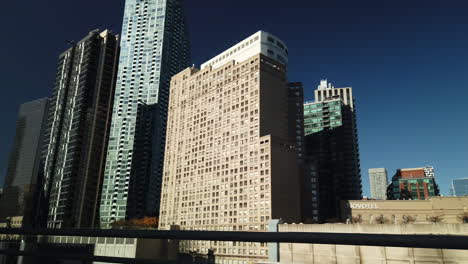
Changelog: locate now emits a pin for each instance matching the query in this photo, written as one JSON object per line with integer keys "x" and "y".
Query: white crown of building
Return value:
{"x": 260, "y": 42}
{"x": 324, "y": 84}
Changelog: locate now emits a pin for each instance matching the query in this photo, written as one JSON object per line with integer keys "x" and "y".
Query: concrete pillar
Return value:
{"x": 273, "y": 248}
{"x": 28, "y": 243}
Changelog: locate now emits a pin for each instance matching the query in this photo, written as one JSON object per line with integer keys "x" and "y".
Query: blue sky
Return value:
{"x": 407, "y": 62}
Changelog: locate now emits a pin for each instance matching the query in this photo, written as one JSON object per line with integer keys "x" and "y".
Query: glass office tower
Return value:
{"x": 23, "y": 174}
{"x": 154, "y": 47}
{"x": 459, "y": 187}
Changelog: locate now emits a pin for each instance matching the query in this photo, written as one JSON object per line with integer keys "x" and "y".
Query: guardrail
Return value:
{"x": 413, "y": 241}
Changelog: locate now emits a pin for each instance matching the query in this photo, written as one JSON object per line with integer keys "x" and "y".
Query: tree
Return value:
{"x": 145, "y": 222}
{"x": 463, "y": 217}
{"x": 149, "y": 222}
{"x": 435, "y": 218}
{"x": 356, "y": 219}
{"x": 381, "y": 219}
{"x": 408, "y": 219}
{"x": 118, "y": 224}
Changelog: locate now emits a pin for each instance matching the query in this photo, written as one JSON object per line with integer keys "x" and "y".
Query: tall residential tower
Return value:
{"x": 332, "y": 162}
{"x": 21, "y": 189}
{"x": 154, "y": 47}
{"x": 78, "y": 130}
{"x": 378, "y": 183}
{"x": 230, "y": 163}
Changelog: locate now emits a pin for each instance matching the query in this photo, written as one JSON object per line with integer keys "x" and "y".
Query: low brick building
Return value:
{"x": 413, "y": 184}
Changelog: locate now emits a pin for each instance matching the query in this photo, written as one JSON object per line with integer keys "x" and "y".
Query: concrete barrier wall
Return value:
{"x": 440, "y": 228}
{"x": 339, "y": 254}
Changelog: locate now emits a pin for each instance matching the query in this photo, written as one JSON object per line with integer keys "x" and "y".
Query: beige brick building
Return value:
{"x": 230, "y": 161}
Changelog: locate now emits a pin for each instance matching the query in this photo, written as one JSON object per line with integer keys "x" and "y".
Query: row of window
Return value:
{"x": 235, "y": 50}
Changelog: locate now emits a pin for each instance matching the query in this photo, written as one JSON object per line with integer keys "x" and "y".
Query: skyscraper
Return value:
{"x": 378, "y": 183}
{"x": 21, "y": 188}
{"x": 460, "y": 187}
{"x": 296, "y": 116}
{"x": 229, "y": 163}
{"x": 331, "y": 152}
{"x": 154, "y": 47}
{"x": 78, "y": 130}
{"x": 413, "y": 184}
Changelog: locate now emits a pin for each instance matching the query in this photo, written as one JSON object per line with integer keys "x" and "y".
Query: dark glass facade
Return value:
{"x": 296, "y": 116}
{"x": 332, "y": 169}
{"x": 460, "y": 187}
{"x": 21, "y": 183}
{"x": 78, "y": 130}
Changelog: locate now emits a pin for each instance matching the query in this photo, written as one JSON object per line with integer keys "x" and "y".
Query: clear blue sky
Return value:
{"x": 407, "y": 62}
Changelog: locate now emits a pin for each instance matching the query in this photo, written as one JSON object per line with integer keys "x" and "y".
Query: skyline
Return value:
{"x": 428, "y": 51}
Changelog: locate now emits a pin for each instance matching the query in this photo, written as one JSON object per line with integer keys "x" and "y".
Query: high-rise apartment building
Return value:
{"x": 78, "y": 130}
{"x": 332, "y": 169}
{"x": 154, "y": 46}
{"x": 460, "y": 187}
{"x": 20, "y": 191}
{"x": 325, "y": 90}
{"x": 378, "y": 183}
{"x": 413, "y": 184}
{"x": 296, "y": 116}
{"x": 229, "y": 163}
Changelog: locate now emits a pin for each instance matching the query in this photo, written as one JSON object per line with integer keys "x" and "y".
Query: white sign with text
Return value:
{"x": 363, "y": 206}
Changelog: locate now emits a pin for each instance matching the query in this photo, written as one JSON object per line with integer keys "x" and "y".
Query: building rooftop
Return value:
{"x": 260, "y": 42}
{"x": 410, "y": 169}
